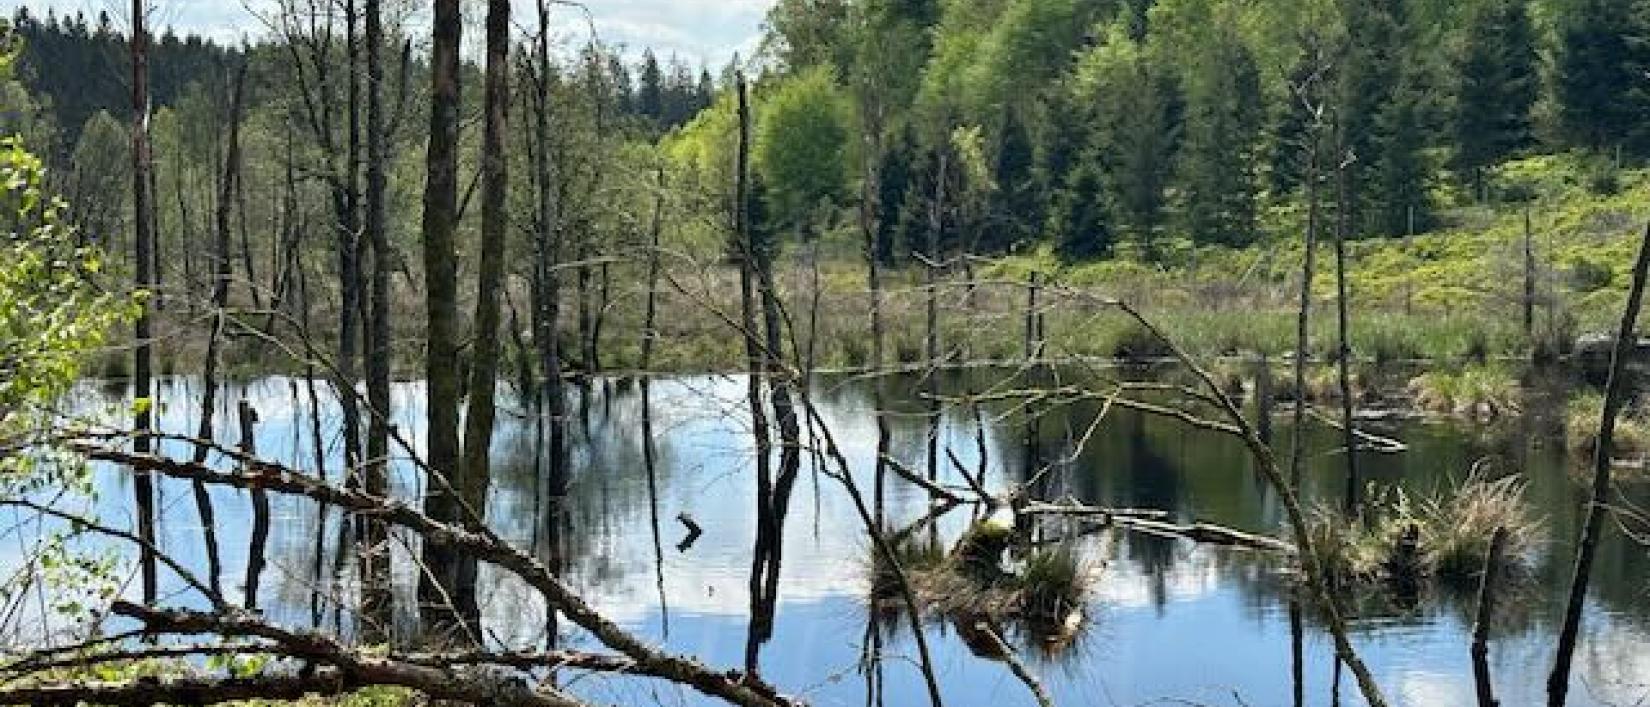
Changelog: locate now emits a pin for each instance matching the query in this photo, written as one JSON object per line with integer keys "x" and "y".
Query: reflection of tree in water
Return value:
{"x": 1153, "y": 481}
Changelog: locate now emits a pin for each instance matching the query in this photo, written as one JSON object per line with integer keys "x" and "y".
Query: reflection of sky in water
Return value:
{"x": 1167, "y": 619}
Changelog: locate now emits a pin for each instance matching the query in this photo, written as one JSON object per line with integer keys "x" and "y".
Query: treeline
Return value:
{"x": 73, "y": 67}
{"x": 1144, "y": 127}
{"x": 77, "y": 66}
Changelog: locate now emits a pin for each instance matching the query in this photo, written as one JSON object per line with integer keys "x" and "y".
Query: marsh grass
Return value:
{"x": 1040, "y": 590}
{"x": 1482, "y": 392}
{"x": 1581, "y": 419}
{"x": 1442, "y": 536}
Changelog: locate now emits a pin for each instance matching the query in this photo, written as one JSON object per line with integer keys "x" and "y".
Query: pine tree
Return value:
{"x": 1598, "y": 66}
{"x": 1223, "y": 121}
{"x": 1402, "y": 203}
{"x": 1135, "y": 133}
{"x": 650, "y": 97}
{"x": 893, "y": 188}
{"x": 1015, "y": 208}
{"x": 624, "y": 99}
{"x": 705, "y": 93}
{"x": 1496, "y": 88}
{"x": 1286, "y": 143}
{"x": 1080, "y": 220}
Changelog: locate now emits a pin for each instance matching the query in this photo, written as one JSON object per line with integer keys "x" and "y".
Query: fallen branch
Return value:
{"x": 1015, "y": 665}
{"x": 1206, "y": 533}
{"x": 731, "y": 686}
{"x": 475, "y": 686}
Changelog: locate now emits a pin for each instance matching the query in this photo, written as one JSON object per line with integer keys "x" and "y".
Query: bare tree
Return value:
{"x": 1615, "y": 398}
{"x": 441, "y": 304}
{"x": 374, "y": 557}
{"x": 143, "y": 280}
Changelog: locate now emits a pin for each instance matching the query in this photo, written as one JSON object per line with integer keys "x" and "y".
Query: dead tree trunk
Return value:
{"x": 259, "y": 542}
{"x": 441, "y": 304}
{"x": 931, "y": 349}
{"x": 757, "y": 360}
{"x": 372, "y": 542}
{"x": 1344, "y": 347}
{"x": 1481, "y": 623}
{"x": 1032, "y": 344}
{"x": 1529, "y": 278}
{"x": 869, "y": 224}
{"x": 143, "y": 280}
{"x": 1615, "y": 397}
{"x": 547, "y": 238}
{"x": 1303, "y": 332}
{"x": 223, "y": 273}
{"x": 478, "y": 419}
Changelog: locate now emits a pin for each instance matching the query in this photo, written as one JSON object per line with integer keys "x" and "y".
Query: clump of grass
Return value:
{"x": 1443, "y": 536}
{"x": 1483, "y": 392}
{"x": 1581, "y": 417}
{"x": 1051, "y": 583}
{"x": 1457, "y": 525}
{"x": 1042, "y": 588}
{"x": 1323, "y": 384}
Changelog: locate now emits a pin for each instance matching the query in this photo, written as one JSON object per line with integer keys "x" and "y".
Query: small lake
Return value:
{"x": 1168, "y": 621}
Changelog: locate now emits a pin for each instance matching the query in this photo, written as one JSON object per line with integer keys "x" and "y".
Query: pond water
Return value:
{"x": 1167, "y": 622}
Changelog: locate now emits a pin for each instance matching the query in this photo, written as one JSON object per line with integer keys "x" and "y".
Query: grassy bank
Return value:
{"x": 1452, "y": 294}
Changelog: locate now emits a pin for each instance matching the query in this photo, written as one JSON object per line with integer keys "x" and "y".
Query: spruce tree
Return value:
{"x": 1286, "y": 143}
{"x": 1496, "y": 88}
{"x": 1223, "y": 121}
{"x": 893, "y": 188}
{"x": 1135, "y": 132}
{"x": 1015, "y": 208}
{"x": 1399, "y": 196}
{"x": 650, "y": 97}
{"x": 1080, "y": 221}
{"x": 1600, "y": 64}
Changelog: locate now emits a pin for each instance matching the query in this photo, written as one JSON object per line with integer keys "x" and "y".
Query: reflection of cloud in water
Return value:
{"x": 1194, "y": 573}
{"x": 1159, "y": 606}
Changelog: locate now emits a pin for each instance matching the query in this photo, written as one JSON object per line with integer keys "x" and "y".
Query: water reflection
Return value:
{"x": 648, "y": 451}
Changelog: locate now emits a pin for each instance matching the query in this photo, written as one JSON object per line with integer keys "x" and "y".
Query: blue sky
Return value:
{"x": 698, "y": 31}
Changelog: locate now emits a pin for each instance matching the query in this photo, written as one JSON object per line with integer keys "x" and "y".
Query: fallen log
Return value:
{"x": 1207, "y": 533}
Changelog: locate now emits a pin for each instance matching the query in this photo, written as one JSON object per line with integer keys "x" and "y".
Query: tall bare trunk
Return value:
{"x": 349, "y": 260}
{"x": 931, "y": 349}
{"x": 1529, "y": 278}
{"x": 1303, "y": 332}
{"x": 223, "y": 273}
{"x": 1615, "y": 397}
{"x": 1344, "y": 357}
{"x": 143, "y": 280}
{"x": 374, "y": 550}
{"x": 441, "y": 304}
{"x": 547, "y": 246}
{"x": 869, "y": 215}
{"x": 478, "y": 420}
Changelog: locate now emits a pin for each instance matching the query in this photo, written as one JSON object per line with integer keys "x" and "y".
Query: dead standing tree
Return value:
{"x": 308, "y": 30}
{"x": 1615, "y": 398}
{"x": 144, "y": 281}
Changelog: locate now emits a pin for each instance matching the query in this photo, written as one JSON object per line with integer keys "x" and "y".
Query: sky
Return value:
{"x": 704, "y": 32}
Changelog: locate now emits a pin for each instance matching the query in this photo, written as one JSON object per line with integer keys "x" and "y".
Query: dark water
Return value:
{"x": 1168, "y": 622}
